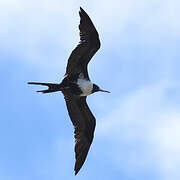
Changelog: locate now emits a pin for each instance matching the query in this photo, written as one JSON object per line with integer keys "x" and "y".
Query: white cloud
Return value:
{"x": 29, "y": 28}
{"x": 43, "y": 33}
{"x": 144, "y": 129}
{"x": 165, "y": 139}
{"x": 148, "y": 20}
{"x": 34, "y": 31}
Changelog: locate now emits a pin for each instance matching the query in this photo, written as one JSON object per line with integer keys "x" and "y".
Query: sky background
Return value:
{"x": 138, "y": 125}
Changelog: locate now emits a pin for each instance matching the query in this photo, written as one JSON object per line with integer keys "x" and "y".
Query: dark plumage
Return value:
{"x": 88, "y": 46}
{"x": 75, "y": 87}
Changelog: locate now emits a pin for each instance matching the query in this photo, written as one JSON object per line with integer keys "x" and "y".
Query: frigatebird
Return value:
{"x": 76, "y": 86}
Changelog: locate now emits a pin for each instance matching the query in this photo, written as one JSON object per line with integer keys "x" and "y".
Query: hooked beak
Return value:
{"x": 104, "y": 91}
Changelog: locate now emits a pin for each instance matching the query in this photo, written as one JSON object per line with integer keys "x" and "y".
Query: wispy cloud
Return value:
{"x": 146, "y": 118}
{"x": 28, "y": 28}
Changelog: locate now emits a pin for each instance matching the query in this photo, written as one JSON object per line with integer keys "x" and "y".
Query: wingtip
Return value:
{"x": 80, "y": 11}
{"x": 81, "y": 8}
{"x": 75, "y": 172}
{"x": 76, "y": 168}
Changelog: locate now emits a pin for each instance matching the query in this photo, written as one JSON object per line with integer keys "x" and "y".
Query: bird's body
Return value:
{"x": 85, "y": 85}
{"x": 76, "y": 86}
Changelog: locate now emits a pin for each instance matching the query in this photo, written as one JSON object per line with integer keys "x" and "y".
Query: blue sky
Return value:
{"x": 138, "y": 124}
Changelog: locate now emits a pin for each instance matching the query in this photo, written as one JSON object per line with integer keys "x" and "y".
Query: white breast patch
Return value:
{"x": 86, "y": 86}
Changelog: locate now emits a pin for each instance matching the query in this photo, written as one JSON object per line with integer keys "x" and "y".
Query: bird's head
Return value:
{"x": 96, "y": 88}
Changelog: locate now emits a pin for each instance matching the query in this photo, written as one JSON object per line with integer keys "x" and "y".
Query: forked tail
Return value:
{"x": 51, "y": 87}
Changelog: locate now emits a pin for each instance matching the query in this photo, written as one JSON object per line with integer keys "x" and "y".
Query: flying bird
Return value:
{"x": 76, "y": 86}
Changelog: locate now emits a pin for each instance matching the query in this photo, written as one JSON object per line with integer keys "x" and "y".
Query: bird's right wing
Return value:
{"x": 84, "y": 124}
{"x": 88, "y": 46}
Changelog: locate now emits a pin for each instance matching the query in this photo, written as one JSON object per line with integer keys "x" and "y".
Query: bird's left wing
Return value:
{"x": 84, "y": 124}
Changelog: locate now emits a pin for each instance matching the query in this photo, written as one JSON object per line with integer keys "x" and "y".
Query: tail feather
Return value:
{"x": 52, "y": 87}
